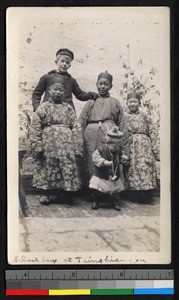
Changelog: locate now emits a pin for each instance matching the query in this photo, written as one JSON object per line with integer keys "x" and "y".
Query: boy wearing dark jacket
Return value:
{"x": 63, "y": 61}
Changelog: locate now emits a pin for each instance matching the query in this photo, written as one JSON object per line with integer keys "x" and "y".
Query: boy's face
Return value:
{"x": 133, "y": 104}
{"x": 103, "y": 86}
{"x": 63, "y": 63}
{"x": 56, "y": 91}
{"x": 113, "y": 147}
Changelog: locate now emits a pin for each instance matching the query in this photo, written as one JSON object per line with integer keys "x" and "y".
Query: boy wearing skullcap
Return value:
{"x": 56, "y": 142}
{"x": 107, "y": 181}
{"x": 63, "y": 61}
{"x": 97, "y": 117}
{"x": 106, "y": 75}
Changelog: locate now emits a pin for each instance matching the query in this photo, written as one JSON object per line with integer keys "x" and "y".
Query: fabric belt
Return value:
{"x": 99, "y": 121}
{"x": 59, "y": 125}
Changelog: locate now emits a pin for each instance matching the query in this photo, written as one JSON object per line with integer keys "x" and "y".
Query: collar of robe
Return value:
{"x": 134, "y": 113}
{"x": 66, "y": 73}
{"x": 108, "y": 95}
{"x": 55, "y": 102}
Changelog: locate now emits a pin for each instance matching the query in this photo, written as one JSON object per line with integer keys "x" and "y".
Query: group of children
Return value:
{"x": 117, "y": 150}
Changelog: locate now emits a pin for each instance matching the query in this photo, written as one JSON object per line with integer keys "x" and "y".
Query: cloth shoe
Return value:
{"x": 117, "y": 206}
{"x": 44, "y": 200}
{"x": 95, "y": 205}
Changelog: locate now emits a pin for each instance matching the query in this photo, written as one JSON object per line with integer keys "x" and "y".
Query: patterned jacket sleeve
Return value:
{"x": 38, "y": 92}
{"x": 154, "y": 137}
{"x": 76, "y": 132}
{"x": 122, "y": 124}
{"x": 79, "y": 94}
{"x": 35, "y": 133}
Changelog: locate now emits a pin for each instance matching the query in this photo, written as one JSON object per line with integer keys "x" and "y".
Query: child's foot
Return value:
{"x": 117, "y": 206}
{"x": 95, "y": 205}
{"x": 44, "y": 200}
{"x": 52, "y": 198}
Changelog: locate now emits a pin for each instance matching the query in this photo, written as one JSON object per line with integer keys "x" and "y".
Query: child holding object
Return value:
{"x": 144, "y": 149}
{"x": 108, "y": 181}
{"x": 56, "y": 140}
{"x": 63, "y": 61}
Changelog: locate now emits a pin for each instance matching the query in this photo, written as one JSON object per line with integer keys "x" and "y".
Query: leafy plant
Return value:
{"x": 145, "y": 84}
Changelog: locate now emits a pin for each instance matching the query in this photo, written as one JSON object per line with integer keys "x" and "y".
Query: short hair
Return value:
{"x": 59, "y": 55}
{"x": 133, "y": 95}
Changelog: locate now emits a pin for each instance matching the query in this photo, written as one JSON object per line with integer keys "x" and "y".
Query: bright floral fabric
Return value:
{"x": 56, "y": 139}
{"x": 144, "y": 150}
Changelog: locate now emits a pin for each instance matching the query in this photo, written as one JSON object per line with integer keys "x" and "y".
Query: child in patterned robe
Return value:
{"x": 144, "y": 149}
{"x": 56, "y": 141}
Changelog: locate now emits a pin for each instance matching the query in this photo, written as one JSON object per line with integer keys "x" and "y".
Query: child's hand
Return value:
{"x": 107, "y": 163}
{"x": 92, "y": 95}
{"x": 124, "y": 159}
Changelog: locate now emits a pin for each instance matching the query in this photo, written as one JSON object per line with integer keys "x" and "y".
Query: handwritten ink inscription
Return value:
{"x": 108, "y": 259}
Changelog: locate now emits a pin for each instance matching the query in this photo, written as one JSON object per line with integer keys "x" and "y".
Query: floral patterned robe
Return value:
{"x": 144, "y": 150}
{"x": 55, "y": 131}
{"x": 96, "y": 118}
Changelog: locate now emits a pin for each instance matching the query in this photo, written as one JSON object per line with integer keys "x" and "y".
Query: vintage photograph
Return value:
{"x": 88, "y": 135}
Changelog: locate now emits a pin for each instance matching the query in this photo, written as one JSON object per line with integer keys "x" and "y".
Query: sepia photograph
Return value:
{"x": 88, "y": 135}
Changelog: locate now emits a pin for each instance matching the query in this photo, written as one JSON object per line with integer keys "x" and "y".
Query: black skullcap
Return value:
{"x": 133, "y": 95}
{"x": 57, "y": 80}
{"x": 106, "y": 75}
{"x": 65, "y": 51}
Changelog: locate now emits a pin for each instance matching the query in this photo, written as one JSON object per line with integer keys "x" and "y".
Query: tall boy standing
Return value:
{"x": 63, "y": 61}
